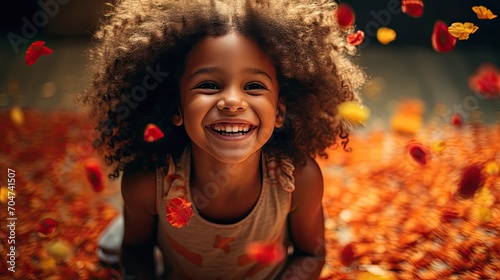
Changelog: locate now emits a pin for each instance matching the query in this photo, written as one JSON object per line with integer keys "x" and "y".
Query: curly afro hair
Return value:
{"x": 137, "y": 57}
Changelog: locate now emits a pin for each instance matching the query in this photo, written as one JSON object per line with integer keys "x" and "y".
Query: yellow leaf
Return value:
{"x": 484, "y": 198}
{"x": 17, "y": 115}
{"x": 354, "y": 112}
{"x": 492, "y": 168}
{"x": 438, "y": 146}
{"x": 461, "y": 31}
{"x": 386, "y": 35}
{"x": 483, "y": 13}
{"x": 481, "y": 213}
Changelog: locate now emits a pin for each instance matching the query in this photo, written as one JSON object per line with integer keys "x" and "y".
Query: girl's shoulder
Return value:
{"x": 308, "y": 183}
{"x": 138, "y": 188}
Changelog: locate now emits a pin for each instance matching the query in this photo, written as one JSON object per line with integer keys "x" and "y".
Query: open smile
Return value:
{"x": 231, "y": 129}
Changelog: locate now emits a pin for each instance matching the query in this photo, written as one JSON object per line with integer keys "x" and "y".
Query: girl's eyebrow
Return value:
{"x": 219, "y": 69}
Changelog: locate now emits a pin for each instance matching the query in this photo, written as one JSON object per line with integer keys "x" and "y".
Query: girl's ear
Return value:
{"x": 280, "y": 113}
{"x": 177, "y": 118}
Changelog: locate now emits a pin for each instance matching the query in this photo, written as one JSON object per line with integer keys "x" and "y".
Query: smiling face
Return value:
{"x": 229, "y": 97}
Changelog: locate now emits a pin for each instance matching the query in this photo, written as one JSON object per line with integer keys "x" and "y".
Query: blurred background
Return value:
{"x": 408, "y": 67}
{"x": 51, "y": 163}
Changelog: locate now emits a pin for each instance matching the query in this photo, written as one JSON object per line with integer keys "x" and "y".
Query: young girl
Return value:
{"x": 246, "y": 94}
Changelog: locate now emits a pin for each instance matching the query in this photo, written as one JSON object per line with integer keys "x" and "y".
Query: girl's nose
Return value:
{"x": 232, "y": 100}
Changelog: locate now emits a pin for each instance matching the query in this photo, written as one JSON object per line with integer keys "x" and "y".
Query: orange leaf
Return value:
{"x": 442, "y": 40}
{"x": 152, "y": 133}
{"x": 356, "y": 38}
{"x": 345, "y": 15}
{"x": 179, "y": 212}
{"x": 265, "y": 252}
{"x": 413, "y": 8}
{"x": 35, "y": 50}
{"x": 94, "y": 174}
{"x": 461, "y": 31}
{"x": 483, "y": 13}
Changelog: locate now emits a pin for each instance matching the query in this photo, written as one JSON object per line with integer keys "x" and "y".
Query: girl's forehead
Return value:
{"x": 229, "y": 50}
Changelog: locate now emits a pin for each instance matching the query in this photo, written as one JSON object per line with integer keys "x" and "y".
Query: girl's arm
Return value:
{"x": 139, "y": 213}
{"x": 306, "y": 224}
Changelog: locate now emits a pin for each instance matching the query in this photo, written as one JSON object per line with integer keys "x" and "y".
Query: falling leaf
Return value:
{"x": 492, "y": 168}
{"x": 471, "y": 181}
{"x": 483, "y": 13}
{"x": 35, "y": 50}
{"x": 418, "y": 152}
{"x": 46, "y": 227}
{"x": 386, "y": 35}
{"x": 354, "y": 112}
{"x": 179, "y": 212}
{"x": 461, "y": 31}
{"x": 442, "y": 40}
{"x": 17, "y": 115}
{"x": 265, "y": 252}
{"x": 356, "y": 38}
{"x": 345, "y": 15}
{"x": 413, "y": 8}
{"x": 152, "y": 133}
{"x": 456, "y": 119}
{"x": 485, "y": 82}
{"x": 94, "y": 174}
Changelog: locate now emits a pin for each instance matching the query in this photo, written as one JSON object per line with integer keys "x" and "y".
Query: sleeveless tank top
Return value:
{"x": 207, "y": 250}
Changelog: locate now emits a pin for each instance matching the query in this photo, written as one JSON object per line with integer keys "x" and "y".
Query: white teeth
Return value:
{"x": 231, "y": 128}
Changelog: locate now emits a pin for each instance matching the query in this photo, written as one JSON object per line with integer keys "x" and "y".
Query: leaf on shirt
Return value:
{"x": 179, "y": 212}
{"x": 265, "y": 252}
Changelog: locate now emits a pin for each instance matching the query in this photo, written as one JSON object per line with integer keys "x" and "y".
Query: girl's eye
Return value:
{"x": 208, "y": 85}
{"x": 255, "y": 86}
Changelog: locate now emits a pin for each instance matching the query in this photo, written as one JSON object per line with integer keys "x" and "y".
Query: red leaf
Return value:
{"x": 348, "y": 254}
{"x": 152, "y": 133}
{"x": 345, "y": 15}
{"x": 265, "y": 252}
{"x": 34, "y": 51}
{"x": 442, "y": 40}
{"x": 418, "y": 152}
{"x": 472, "y": 180}
{"x": 485, "y": 82}
{"x": 179, "y": 212}
{"x": 413, "y": 8}
{"x": 457, "y": 119}
{"x": 46, "y": 226}
{"x": 356, "y": 38}
{"x": 94, "y": 174}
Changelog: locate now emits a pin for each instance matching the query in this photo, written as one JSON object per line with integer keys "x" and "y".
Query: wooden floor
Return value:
{"x": 403, "y": 72}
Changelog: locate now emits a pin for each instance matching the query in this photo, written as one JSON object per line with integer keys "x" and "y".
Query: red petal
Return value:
{"x": 347, "y": 255}
{"x": 47, "y": 226}
{"x": 94, "y": 174}
{"x": 472, "y": 180}
{"x": 179, "y": 212}
{"x": 457, "y": 119}
{"x": 442, "y": 40}
{"x": 152, "y": 133}
{"x": 356, "y": 38}
{"x": 418, "y": 152}
{"x": 413, "y": 8}
{"x": 486, "y": 81}
{"x": 265, "y": 252}
{"x": 34, "y": 51}
{"x": 345, "y": 15}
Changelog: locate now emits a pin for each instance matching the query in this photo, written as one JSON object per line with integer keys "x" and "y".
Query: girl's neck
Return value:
{"x": 212, "y": 176}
